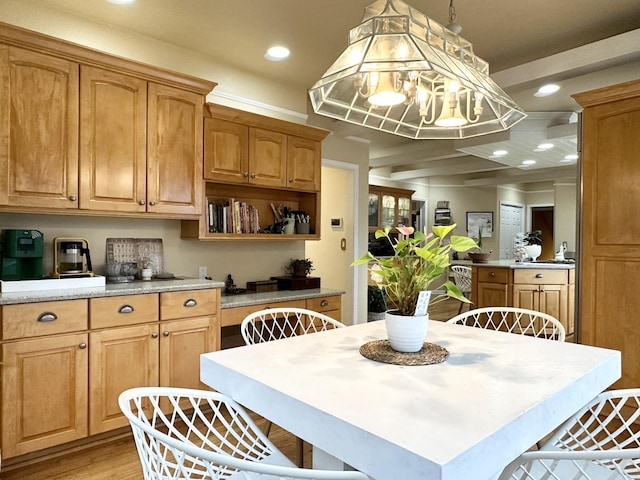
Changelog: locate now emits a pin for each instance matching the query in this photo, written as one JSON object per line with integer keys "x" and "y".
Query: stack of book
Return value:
{"x": 231, "y": 216}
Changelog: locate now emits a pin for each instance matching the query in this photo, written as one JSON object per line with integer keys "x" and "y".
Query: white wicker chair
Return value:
{"x": 513, "y": 320}
{"x": 462, "y": 279}
{"x": 212, "y": 438}
{"x": 277, "y": 323}
{"x": 601, "y": 441}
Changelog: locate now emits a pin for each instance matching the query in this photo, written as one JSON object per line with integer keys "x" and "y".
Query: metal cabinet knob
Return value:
{"x": 253, "y": 175}
{"x": 291, "y": 180}
{"x": 154, "y": 335}
{"x": 539, "y": 275}
{"x": 492, "y": 274}
{"x": 165, "y": 334}
{"x": 82, "y": 346}
{"x": 141, "y": 202}
{"x": 246, "y": 174}
{"x": 152, "y": 203}
{"x": 190, "y": 303}
{"x": 73, "y": 198}
{"x": 324, "y": 303}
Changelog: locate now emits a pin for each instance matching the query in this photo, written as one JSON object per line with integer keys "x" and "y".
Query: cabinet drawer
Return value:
{"x": 123, "y": 310}
{"x": 493, "y": 275}
{"x": 189, "y": 303}
{"x": 234, "y": 316}
{"x": 324, "y": 304}
{"x": 46, "y": 318}
{"x": 540, "y": 277}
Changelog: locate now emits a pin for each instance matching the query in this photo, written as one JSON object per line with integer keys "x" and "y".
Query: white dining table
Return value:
{"x": 464, "y": 419}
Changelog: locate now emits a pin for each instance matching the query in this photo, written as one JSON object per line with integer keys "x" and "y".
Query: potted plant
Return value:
{"x": 533, "y": 244}
{"x": 376, "y": 305}
{"x": 417, "y": 262}
{"x": 300, "y": 267}
{"x": 479, "y": 256}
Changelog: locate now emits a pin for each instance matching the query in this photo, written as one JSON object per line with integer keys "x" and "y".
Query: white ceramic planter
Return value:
{"x": 406, "y": 334}
{"x": 533, "y": 251}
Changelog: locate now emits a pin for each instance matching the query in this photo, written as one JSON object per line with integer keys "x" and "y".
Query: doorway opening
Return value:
{"x": 542, "y": 218}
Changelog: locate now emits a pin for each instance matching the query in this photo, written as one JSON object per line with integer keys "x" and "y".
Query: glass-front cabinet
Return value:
{"x": 389, "y": 207}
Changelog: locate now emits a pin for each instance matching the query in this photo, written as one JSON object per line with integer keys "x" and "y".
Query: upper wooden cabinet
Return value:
{"x": 113, "y": 174}
{"x": 262, "y": 163}
{"x": 138, "y": 128}
{"x": 389, "y": 207}
{"x": 241, "y": 147}
{"x": 38, "y": 130}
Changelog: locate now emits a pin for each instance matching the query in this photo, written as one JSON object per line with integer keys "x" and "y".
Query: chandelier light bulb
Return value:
{"x": 385, "y": 91}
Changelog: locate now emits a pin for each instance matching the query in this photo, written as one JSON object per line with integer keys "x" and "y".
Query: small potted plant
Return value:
{"x": 300, "y": 267}
{"x": 479, "y": 256}
{"x": 533, "y": 244}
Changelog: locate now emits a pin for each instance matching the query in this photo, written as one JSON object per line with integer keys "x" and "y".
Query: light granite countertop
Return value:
{"x": 517, "y": 265}
{"x": 246, "y": 299}
{"x": 109, "y": 290}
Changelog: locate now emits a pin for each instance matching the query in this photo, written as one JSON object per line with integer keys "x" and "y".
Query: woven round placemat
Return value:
{"x": 381, "y": 351}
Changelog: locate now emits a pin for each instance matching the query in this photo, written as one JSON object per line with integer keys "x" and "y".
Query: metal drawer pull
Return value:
{"x": 125, "y": 309}
{"x": 539, "y": 275}
{"x": 190, "y": 303}
{"x": 492, "y": 274}
{"x": 47, "y": 317}
{"x": 324, "y": 303}
{"x": 82, "y": 346}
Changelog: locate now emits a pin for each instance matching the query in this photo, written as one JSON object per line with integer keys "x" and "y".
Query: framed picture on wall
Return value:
{"x": 478, "y": 220}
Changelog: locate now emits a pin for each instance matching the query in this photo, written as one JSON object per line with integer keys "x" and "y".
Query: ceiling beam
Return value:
{"x": 552, "y": 174}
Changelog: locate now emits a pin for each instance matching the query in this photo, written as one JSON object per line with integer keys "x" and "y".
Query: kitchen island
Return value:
{"x": 545, "y": 287}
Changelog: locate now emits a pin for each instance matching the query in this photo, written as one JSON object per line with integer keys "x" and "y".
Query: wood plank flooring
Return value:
{"x": 118, "y": 460}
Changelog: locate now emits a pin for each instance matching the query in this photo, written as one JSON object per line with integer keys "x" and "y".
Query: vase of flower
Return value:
{"x": 406, "y": 334}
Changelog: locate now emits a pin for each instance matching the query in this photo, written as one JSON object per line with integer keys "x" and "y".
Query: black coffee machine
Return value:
{"x": 22, "y": 252}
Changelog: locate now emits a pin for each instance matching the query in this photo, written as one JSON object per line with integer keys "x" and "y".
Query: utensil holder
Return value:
{"x": 302, "y": 228}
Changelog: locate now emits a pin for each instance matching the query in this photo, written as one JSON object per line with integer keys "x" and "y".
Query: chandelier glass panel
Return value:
{"x": 408, "y": 75}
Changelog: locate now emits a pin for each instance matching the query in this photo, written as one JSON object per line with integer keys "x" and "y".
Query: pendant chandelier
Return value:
{"x": 408, "y": 75}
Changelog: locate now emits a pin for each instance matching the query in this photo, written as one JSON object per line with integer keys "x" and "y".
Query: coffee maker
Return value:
{"x": 22, "y": 252}
{"x": 71, "y": 258}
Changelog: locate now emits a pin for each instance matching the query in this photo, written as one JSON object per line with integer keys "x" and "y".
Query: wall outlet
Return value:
{"x": 202, "y": 273}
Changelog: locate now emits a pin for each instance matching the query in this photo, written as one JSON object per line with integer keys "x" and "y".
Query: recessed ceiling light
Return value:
{"x": 548, "y": 89}
{"x": 276, "y": 54}
{"x": 545, "y": 146}
{"x": 570, "y": 158}
{"x": 500, "y": 153}
{"x": 120, "y": 2}
{"x": 528, "y": 162}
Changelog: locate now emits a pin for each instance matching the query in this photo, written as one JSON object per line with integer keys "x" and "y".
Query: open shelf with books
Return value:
{"x": 247, "y": 207}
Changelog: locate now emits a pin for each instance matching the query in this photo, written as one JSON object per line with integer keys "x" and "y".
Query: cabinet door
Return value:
{"x": 267, "y": 158}
{"x": 554, "y": 301}
{"x": 39, "y": 130}
{"x": 181, "y": 344}
{"x": 226, "y": 151}
{"x": 113, "y": 141}
{"x": 44, "y": 392}
{"x": 303, "y": 164}
{"x": 492, "y": 295}
{"x": 174, "y": 151}
{"x": 526, "y": 296}
{"x": 121, "y": 358}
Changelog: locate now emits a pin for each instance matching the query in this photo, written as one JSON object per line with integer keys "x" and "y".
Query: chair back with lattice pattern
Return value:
{"x": 521, "y": 321}
{"x": 205, "y": 435}
{"x": 462, "y": 278}
{"x": 278, "y": 323}
{"x": 601, "y": 441}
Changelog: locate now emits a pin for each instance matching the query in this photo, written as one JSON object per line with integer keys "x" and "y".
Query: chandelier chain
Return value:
{"x": 452, "y": 12}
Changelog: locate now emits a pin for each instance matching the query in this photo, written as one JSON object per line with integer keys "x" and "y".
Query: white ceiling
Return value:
{"x": 579, "y": 44}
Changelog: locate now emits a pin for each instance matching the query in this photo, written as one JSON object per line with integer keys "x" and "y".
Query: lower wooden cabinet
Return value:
{"x": 44, "y": 392}
{"x": 120, "y": 358}
{"x": 545, "y": 290}
{"x": 64, "y": 363}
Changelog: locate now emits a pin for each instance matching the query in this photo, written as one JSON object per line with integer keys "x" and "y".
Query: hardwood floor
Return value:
{"x": 118, "y": 460}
